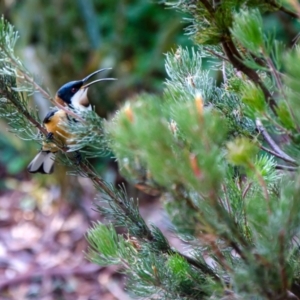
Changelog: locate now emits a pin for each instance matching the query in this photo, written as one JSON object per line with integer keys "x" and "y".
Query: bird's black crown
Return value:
{"x": 68, "y": 90}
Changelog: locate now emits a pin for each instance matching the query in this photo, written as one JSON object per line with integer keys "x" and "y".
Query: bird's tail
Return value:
{"x": 42, "y": 163}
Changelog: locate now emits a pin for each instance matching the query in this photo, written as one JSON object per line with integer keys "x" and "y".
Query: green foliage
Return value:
{"x": 254, "y": 99}
{"x": 266, "y": 166}
{"x": 247, "y": 28}
{"x": 180, "y": 139}
{"x": 285, "y": 117}
{"x": 14, "y": 106}
{"x": 291, "y": 81}
{"x": 104, "y": 239}
{"x": 88, "y": 136}
{"x": 241, "y": 151}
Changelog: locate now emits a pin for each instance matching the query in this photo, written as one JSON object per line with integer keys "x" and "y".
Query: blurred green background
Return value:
{"x": 66, "y": 40}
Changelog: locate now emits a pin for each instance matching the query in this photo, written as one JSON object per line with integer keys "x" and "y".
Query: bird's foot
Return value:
{"x": 49, "y": 136}
{"x": 78, "y": 158}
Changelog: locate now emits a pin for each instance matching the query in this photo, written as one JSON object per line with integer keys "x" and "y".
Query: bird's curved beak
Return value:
{"x": 84, "y": 80}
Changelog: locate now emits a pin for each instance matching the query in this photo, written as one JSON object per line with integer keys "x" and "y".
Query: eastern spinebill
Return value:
{"x": 73, "y": 95}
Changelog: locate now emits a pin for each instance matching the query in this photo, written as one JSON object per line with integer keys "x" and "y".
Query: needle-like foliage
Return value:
{"x": 222, "y": 155}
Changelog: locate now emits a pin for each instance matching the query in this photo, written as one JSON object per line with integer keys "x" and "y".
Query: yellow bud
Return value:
{"x": 129, "y": 113}
{"x": 134, "y": 242}
{"x": 194, "y": 165}
{"x": 199, "y": 104}
{"x": 241, "y": 151}
{"x": 173, "y": 127}
{"x": 154, "y": 270}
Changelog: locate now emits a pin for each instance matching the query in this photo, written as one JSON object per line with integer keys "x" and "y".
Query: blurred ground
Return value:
{"x": 42, "y": 248}
{"x": 43, "y": 245}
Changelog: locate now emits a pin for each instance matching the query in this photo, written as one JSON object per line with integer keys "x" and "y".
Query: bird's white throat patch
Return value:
{"x": 80, "y": 100}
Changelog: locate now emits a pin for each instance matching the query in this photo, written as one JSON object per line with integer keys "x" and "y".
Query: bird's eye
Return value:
{"x": 73, "y": 90}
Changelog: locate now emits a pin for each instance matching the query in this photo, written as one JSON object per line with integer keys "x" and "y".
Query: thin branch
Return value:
{"x": 24, "y": 112}
{"x": 237, "y": 249}
{"x": 273, "y": 144}
{"x": 275, "y": 154}
{"x": 236, "y": 60}
{"x": 271, "y": 152}
{"x": 287, "y": 168}
{"x": 283, "y": 9}
{"x": 245, "y": 191}
{"x": 226, "y": 198}
{"x": 216, "y": 54}
{"x": 282, "y": 262}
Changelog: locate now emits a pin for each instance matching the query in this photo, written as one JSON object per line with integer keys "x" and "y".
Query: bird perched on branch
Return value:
{"x": 73, "y": 95}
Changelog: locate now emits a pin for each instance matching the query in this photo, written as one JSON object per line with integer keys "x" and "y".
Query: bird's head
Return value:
{"x": 74, "y": 93}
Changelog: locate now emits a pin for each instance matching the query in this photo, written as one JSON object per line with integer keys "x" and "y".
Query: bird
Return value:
{"x": 43, "y": 162}
{"x": 73, "y": 95}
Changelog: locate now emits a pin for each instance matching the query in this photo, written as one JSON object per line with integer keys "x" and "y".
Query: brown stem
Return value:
{"x": 245, "y": 191}
{"x": 216, "y": 54}
{"x": 98, "y": 181}
{"x": 24, "y": 112}
{"x": 284, "y": 279}
{"x": 283, "y": 9}
{"x": 287, "y": 168}
{"x": 237, "y": 249}
{"x": 236, "y": 60}
{"x": 281, "y": 154}
{"x": 226, "y": 198}
{"x": 272, "y": 152}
